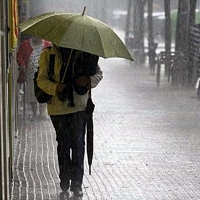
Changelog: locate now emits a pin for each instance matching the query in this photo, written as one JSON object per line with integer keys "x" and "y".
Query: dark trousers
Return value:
{"x": 70, "y": 135}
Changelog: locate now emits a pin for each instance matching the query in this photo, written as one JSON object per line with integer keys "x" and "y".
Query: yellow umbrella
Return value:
{"x": 77, "y": 31}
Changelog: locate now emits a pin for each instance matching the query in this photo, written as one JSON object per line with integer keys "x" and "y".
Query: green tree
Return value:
{"x": 174, "y": 21}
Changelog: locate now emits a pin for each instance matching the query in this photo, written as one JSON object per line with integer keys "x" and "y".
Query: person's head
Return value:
{"x": 36, "y": 40}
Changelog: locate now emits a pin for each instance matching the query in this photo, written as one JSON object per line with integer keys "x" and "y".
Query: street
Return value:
{"x": 147, "y": 142}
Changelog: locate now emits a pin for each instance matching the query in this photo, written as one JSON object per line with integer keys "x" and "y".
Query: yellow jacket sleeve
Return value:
{"x": 43, "y": 81}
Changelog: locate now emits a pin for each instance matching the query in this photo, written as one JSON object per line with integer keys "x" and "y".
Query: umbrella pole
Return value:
{"x": 67, "y": 66}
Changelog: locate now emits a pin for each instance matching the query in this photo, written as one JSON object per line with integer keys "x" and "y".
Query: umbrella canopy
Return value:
{"x": 77, "y": 31}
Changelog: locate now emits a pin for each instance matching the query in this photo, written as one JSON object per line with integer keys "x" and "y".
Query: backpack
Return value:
{"x": 41, "y": 96}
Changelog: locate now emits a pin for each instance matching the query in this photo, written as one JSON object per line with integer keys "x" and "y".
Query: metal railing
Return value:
{"x": 161, "y": 59}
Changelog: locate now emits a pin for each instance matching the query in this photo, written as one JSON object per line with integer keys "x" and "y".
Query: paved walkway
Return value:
{"x": 147, "y": 143}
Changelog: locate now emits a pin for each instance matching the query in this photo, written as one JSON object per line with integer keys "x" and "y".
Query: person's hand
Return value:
{"x": 60, "y": 87}
{"x": 83, "y": 81}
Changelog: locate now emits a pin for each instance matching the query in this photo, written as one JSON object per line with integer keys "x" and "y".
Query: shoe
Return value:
{"x": 77, "y": 192}
{"x": 64, "y": 185}
{"x": 66, "y": 195}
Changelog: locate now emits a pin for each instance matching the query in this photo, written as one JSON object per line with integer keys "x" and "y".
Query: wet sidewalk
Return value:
{"x": 147, "y": 143}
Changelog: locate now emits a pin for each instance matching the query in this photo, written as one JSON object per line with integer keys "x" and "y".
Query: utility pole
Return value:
{"x": 127, "y": 30}
{"x": 167, "y": 37}
{"x": 150, "y": 22}
{"x": 138, "y": 23}
{"x": 151, "y": 46}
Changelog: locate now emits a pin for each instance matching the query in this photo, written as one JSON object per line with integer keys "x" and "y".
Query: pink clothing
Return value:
{"x": 23, "y": 54}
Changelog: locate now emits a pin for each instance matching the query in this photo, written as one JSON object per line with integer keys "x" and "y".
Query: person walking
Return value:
{"x": 74, "y": 73}
{"x": 27, "y": 58}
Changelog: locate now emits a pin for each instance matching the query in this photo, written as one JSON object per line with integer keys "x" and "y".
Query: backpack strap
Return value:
{"x": 51, "y": 66}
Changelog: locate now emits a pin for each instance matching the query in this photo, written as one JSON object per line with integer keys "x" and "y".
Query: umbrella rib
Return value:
{"x": 117, "y": 55}
{"x": 83, "y": 30}
{"x": 55, "y": 27}
{"x": 103, "y": 53}
{"x": 119, "y": 40}
{"x": 111, "y": 44}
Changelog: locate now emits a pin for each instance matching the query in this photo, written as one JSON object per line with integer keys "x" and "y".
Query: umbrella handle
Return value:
{"x": 67, "y": 66}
